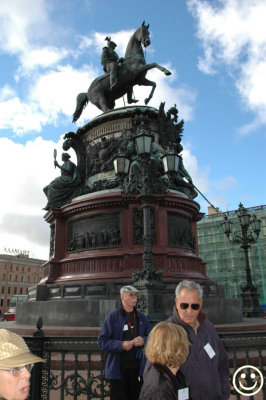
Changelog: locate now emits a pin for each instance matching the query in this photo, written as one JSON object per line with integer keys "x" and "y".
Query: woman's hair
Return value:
{"x": 167, "y": 345}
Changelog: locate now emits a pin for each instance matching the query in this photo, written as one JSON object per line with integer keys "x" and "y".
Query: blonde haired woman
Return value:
{"x": 167, "y": 348}
{"x": 16, "y": 362}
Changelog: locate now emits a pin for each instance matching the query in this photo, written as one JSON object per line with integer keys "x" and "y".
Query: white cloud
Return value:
{"x": 215, "y": 191}
{"x": 121, "y": 39}
{"x": 6, "y": 92}
{"x": 233, "y": 34}
{"x": 22, "y": 21}
{"x": 26, "y": 169}
{"x": 55, "y": 91}
{"x": 200, "y": 176}
{"x": 41, "y": 57}
{"x": 49, "y": 95}
{"x": 20, "y": 117}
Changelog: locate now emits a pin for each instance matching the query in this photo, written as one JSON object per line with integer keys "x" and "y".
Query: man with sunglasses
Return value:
{"x": 206, "y": 369}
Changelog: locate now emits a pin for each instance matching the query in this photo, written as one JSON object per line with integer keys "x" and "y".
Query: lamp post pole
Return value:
{"x": 249, "y": 291}
{"x": 148, "y": 280}
{"x": 146, "y": 199}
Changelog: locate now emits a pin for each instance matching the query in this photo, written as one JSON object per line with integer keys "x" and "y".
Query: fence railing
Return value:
{"x": 74, "y": 367}
{"x": 247, "y": 350}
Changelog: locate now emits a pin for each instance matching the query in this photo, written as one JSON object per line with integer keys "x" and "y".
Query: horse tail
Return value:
{"x": 82, "y": 101}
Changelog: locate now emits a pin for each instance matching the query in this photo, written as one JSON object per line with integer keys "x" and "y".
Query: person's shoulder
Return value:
{"x": 141, "y": 315}
{"x": 113, "y": 314}
{"x": 208, "y": 325}
{"x": 172, "y": 319}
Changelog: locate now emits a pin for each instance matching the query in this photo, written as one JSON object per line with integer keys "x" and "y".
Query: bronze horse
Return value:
{"x": 131, "y": 72}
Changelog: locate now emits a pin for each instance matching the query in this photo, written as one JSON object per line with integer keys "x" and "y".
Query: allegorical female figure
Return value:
{"x": 65, "y": 187}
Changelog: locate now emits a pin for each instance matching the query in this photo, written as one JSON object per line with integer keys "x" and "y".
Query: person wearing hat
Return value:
{"x": 123, "y": 335}
{"x": 16, "y": 362}
{"x": 110, "y": 60}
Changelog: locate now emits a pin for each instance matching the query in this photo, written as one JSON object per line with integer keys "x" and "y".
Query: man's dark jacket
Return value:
{"x": 207, "y": 379}
{"x": 161, "y": 384}
{"x": 110, "y": 339}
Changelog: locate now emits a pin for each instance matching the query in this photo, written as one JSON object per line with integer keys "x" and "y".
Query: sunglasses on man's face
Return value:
{"x": 194, "y": 306}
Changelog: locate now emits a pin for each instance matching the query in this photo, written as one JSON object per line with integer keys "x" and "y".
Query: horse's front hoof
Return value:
{"x": 166, "y": 72}
{"x": 146, "y": 101}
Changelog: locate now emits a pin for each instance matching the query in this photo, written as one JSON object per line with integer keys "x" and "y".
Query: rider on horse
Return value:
{"x": 110, "y": 60}
{"x": 132, "y": 72}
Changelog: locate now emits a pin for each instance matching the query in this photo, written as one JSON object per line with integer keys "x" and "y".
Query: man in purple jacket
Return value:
{"x": 123, "y": 335}
{"x": 206, "y": 369}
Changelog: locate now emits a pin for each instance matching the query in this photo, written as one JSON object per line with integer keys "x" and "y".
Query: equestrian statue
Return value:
{"x": 121, "y": 74}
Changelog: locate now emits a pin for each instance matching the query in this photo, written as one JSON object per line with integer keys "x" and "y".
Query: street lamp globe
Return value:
{"x": 227, "y": 226}
{"x": 255, "y": 224}
{"x": 121, "y": 164}
{"x": 243, "y": 215}
{"x": 143, "y": 141}
{"x": 171, "y": 162}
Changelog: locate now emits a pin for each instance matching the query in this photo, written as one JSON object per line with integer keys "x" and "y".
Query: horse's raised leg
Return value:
{"x": 146, "y": 82}
{"x": 155, "y": 65}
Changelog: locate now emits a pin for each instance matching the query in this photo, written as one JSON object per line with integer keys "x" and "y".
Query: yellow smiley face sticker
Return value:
{"x": 248, "y": 380}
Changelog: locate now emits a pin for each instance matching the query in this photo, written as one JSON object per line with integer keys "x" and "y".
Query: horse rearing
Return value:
{"x": 132, "y": 71}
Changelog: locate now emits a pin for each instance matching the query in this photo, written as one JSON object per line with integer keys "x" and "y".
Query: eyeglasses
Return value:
{"x": 194, "y": 306}
{"x": 16, "y": 371}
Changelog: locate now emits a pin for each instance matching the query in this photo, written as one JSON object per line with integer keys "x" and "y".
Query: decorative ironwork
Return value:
{"x": 142, "y": 303}
{"x": 75, "y": 366}
{"x": 74, "y": 385}
{"x": 246, "y": 349}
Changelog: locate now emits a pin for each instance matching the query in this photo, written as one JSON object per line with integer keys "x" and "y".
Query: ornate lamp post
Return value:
{"x": 143, "y": 143}
{"x": 249, "y": 291}
{"x": 147, "y": 279}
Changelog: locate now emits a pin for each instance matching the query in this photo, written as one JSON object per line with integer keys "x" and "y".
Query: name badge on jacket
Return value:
{"x": 183, "y": 394}
{"x": 125, "y": 327}
{"x": 209, "y": 350}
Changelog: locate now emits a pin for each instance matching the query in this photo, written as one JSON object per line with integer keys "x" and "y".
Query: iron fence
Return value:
{"x": 74, "y": 367}
{"x": 247, "y": 357}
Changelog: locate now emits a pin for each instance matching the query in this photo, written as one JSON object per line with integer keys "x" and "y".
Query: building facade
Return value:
{"x": 225, "y": 261}
{"x": 17, "y": 274}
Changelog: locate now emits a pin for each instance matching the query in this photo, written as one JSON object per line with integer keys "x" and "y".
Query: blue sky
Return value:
{"x": 50, "y": 51}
